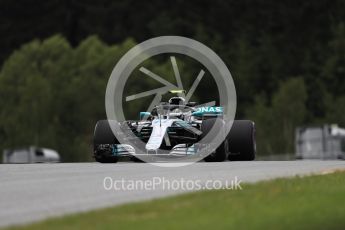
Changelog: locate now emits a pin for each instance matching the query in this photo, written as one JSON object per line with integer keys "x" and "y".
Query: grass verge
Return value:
{"x": 313, "y": 202}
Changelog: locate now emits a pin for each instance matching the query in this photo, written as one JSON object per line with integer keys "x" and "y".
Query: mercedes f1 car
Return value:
{"x": 176, "y": 126}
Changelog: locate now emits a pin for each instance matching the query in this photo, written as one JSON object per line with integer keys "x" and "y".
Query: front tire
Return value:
{"x": 104, "y": 136}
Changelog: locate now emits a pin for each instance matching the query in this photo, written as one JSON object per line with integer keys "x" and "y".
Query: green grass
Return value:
{"x": 313, "y": 202}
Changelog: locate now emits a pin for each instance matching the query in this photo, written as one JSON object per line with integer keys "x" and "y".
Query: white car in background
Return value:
{"x": 320, "y": 142}
{"x": 30, "y": 154}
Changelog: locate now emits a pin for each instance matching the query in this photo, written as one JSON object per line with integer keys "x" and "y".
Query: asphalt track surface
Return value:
{"x": 34, "y": 192}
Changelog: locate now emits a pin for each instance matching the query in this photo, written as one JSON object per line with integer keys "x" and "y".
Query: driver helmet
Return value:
{"x": 177, "y": 101}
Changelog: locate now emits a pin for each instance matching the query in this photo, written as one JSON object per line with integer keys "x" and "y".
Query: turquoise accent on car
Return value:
{"x": 114, "y": 150}
{"x": 208, "y": 111}
{"x": 144, "y": 114}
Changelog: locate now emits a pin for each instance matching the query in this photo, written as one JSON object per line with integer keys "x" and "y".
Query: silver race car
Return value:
{"x": 176, "y": 127}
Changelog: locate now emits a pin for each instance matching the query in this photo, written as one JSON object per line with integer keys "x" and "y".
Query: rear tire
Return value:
{"x": 221, "y": 152}
{"x": 241, "y": 139}
{"x": 104, "y": 135}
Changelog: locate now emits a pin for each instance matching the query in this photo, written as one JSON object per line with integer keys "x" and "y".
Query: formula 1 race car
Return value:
{"x": 176, "y": 126}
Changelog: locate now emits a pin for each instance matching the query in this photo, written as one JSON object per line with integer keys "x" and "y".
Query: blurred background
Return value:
{"x": 287, "y": 59}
